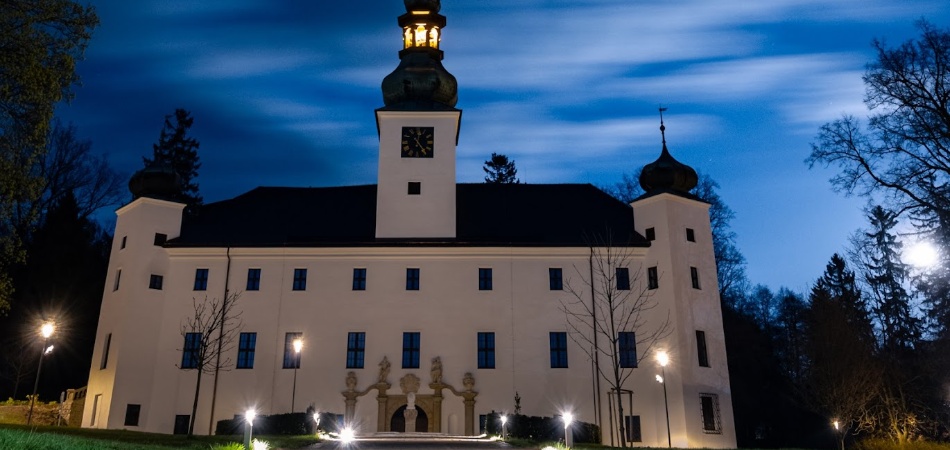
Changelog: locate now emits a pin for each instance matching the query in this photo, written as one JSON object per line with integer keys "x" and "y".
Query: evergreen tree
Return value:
{"x": 500, "y": 170}
{"x": 180, "y": 151}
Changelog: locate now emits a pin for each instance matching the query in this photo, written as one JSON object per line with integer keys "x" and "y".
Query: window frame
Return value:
{"x": 201, "y": 278}
{"x": 159, "y": 239}
{"x": 247, "y": 347}
{"x": 623, "y": 278}
{"x": 104, "y": 360}
{"x": 694, "y": 277}
{"x": 690, "y": 235}
{"x": 413, "y": 274}
{"x": 709, "y": 406}
{"x": 253, "y": 279}
{"x": 629, "y": 428}
{"x": 359, "y": 278}
{"x": 558, "y": 347}
{"x": 555, "y": 279}
{"x": 411, "y": 348}
{"x": 355, "y": 349}
{"x": 627, "y": 349}
{"x": 485, "y": 279}
{"x": 702, "y": 350}
{"x": 650, "y": 234}
{"x": 133, "y": 413}
{"x": 292, "y": 358}
{"x": 156, "y": 282}
{"x": 191, "y": 351}
{"x": 653, "y": 278}
{"x": 300, "y": 279}
{"x": 486, "y": 349}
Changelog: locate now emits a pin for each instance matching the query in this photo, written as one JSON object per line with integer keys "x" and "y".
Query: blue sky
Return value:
{"x": 283, "y": 94}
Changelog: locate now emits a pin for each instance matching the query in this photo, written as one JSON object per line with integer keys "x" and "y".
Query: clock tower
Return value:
{"x": 418, "y": 132}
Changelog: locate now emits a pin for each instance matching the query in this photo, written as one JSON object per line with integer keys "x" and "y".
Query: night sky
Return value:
{"x": 283, "y": 94}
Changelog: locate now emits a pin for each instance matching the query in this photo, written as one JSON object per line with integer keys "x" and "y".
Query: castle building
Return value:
{"x": 418, "y": 293}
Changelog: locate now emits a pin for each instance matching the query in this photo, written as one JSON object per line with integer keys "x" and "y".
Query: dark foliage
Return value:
{"x": 500, "y": 169}
{"x": 180, "y": 151}
{"x": 290, "y": 424}
{"x": 542, "y": 429}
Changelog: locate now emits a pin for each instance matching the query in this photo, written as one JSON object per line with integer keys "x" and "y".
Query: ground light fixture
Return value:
{"x": 46, "y": 330}
{"x": 316, "y": 422}
{"x": 567, "y": 417}
{"x": 249, "y": 427}
{"x": 662, "y": 358}
{"x": 347, "y": 435}
{"x": 298, "y": 346}
{"x": 504, "y": 427}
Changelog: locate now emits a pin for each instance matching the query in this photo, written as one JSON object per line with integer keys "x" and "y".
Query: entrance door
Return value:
{"x": 398, "y": 421}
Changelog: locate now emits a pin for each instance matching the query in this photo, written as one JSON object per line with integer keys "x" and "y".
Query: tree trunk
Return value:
{"x": 621, "y": 420}
{"x": 194, "y": 406}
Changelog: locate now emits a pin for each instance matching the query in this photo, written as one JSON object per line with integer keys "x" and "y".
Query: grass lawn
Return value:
{"x": 62, "y": 438}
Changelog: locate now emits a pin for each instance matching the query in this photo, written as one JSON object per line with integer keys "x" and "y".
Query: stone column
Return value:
{"x": 436, "y": 419}
{"x": 469, "y": 412}
{"x": 382, "y": 422}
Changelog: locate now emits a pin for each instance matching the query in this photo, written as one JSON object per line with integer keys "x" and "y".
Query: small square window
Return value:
{"x": 253, "y": 279}
{"x": 690, "y": 235}
{"x": 160, "y": 239}
{"x": 300, "y": 280}
{"x": 653, "y": 279}
{"x": 651, "y": 234}
{"x": 415, "y": 188}
{"x": 694, "y": 275}
{"x": 484, "y": 279}
{"x": 122, "y": 245}
{"x": 155, "y": 282}
{"x": 201, "y": 279}
{"x": 359, "y": 279}
{"x": 132, "y": 415}
{"x": 412, "y": 279}
{"x": 555, "y": 279}
{"x": 623, "y": 279}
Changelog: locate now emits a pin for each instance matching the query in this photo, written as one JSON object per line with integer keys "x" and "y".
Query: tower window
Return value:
{"x": 694, "y": 275}
{"x": 690, "y": 235}
{"x": 710, "y": 407}
{"x": 651, "y": 234}
{"x": 160, "y": 239}
{"x": 653, "y": 279}
{"x": 701, "y": 348}
{"x": 124, "y": 238}
{"x": 415, "y": 188}
{"x": 155, "y": 282}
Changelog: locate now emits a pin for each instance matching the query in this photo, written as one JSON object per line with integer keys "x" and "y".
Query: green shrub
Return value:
{"x": 886, "y": 444}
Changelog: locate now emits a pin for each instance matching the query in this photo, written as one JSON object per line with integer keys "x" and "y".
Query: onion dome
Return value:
{"x": 666, "y": 174}
{"x": 420, "y": 82}
{"x": 157, "y": 180}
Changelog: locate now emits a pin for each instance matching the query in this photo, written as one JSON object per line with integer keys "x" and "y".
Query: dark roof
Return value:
{"x": 521, "y": 215}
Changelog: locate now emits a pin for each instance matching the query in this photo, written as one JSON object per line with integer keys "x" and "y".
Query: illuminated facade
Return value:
{"x": 416, "y": 291}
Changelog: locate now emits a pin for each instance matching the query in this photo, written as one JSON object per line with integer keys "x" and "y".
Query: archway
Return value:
{"x": 398, "y": 421}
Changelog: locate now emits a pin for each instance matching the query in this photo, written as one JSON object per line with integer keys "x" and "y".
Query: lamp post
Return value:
{"x": 568, "y": 432}
{"x": 46, "y": 331}
{"x": 504, "y": 427}
{"x": 298, "y": 345}
{"x": 663, "y": 359}
{"x": 839, "y": 435}
{"x": 248, "y": 427}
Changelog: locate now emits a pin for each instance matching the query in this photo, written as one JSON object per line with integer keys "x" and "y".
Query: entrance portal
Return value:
{"x": 398, "y": 421}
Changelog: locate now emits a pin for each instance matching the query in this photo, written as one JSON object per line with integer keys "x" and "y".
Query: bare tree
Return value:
{"x": 209, "y": 333}
{"x": 18, "y": 364}
{"x": 609, "y": 304}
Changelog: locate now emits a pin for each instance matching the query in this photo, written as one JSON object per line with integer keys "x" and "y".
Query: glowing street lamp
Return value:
{"x": 568, "y": 432}
{"x": 663, "y": 359}
{"x": 839, "y": 433}
{"x": 249, "y": 427}
{"x": 298, "y": 346}
{"x": 504, "y": 427}
{"x": 46, "y": 331}
{"x": 316, "y": 422}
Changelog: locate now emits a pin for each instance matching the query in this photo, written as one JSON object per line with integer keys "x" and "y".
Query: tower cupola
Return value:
{"x": 420, "y": 82}
{"x": 666, "y": 174}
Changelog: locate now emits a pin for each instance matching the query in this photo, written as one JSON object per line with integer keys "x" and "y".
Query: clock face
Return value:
{"x": 417, "y": 142}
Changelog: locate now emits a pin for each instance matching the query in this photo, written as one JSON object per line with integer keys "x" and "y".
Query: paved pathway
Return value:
{"x": 406, "y": 442}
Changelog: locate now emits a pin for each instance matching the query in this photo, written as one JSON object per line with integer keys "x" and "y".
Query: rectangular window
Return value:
{"x": 701, "y": 348}
{"x": 181, "y": 423}
{"x": 359, "y": 279}
{"x": 651, "y": 234}
{"x": 105, "y": 352}
{"x": 410, "y": 350}
{"x": 160, "y": 239}
{"x": 653, "y": 279}
{"x": 632, "y": 428}
{"x": 355, "y": 349}
{"x": 694, "y": 275}
{"x": 484, "y": 279}
{"x": 710, "y": 407}
{"x": 415, "y": 188}
{"x": 118, "y": 277}
{"x": 486, "y": 350}
{"x": 190, "y": 352}
{"x": 690, "y": 235}
{"x": 627, "y": 346}
{"x": 412, "y": 279}
{"x": 623, "y": 279}
{"x": 201, "y": 279}
{"x": 122, "y": 245}
{"x": 155, "y": 282}
{"x": 253, "y": 279}
{"x": 97, "y": 400}
{"x": 300, "y": 280}
{"x": 558, "y": 350}
{"x": 132, "y": 415}
{"x": 555, "y": 279}
{"x": 247, "y": 343}
{"x": 291, "y": 356}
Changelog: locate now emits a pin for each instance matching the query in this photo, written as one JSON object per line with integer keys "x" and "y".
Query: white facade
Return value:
{"x": 136, "y": 383}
